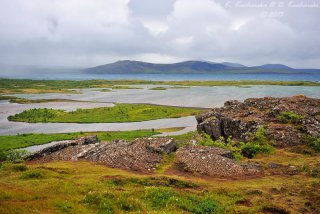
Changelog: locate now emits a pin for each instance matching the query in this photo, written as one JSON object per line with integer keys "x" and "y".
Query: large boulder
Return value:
{"x": 210, "y": 161}
{"x": 239, "y": 119}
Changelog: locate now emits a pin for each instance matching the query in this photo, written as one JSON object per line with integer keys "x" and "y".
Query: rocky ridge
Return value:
{"x": 239, "y": 119}
{"x": 211, "y": 161}
{"x": 142, "y": 154}
{"x": 145, "y": 154}
{"x": 236, "y": 119}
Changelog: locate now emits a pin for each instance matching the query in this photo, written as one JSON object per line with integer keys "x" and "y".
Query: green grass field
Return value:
{"x": 13, "y": 99}
{"x": 11, "y": 86}
{"x": 118, "y": 113}
{"x": 24, "y": 140}
{"x": 84, "y": 187}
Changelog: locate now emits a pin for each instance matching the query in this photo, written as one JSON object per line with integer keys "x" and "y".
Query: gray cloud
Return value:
{"x": 86, "y": 33}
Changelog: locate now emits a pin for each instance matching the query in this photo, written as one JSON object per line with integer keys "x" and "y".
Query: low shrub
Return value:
{"x": 12, "y": 167}
{"x": 315, "y": 172}
{"x": 258, "y": 143}
{"x": 197, "y": 206}
{"x": 14, "y": 156}
{"x": 274, "y": 209}
{"x": 109, "y": 203}
{"x": 64, "y": 206}
{"x": 19, "y": 168}
{"x": 260, "y": 136}
{"x": 314, "y": 143}
{"x": 164, "y": 199}
{"x": 251, "y": 149}
{"x": 3, "y": 155}
{"x": 160, "y": 197}
{"x": 103, "y": 202}
{"x": 289, "y": 117}
{"x": 150, "y": 181}
{"x": 205, "y": 140}
{"x": 34, "y": 174}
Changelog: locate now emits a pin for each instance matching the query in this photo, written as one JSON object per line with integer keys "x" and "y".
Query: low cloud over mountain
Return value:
{"x": 86, "y": 33}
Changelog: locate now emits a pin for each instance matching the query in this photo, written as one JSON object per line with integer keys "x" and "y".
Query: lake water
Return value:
{"x": 197, "y": 96}
{"x": 12, "y": 128}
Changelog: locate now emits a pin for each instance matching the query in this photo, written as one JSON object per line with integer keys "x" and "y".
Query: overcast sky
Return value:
{"x": 92, "y": 32}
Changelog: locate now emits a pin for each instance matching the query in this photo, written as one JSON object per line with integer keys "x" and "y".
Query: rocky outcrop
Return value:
{"x": 142, "y": 154}
{"x": 46, "y": 152}
{"x": 211, "y": 161}
{"x": 239, "y": 119}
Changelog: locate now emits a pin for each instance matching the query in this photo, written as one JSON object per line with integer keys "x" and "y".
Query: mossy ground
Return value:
{"x": 84, "y": 187}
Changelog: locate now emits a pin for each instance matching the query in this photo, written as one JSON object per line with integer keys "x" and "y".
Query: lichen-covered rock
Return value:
{"x": 62, "y": 145}
{"x": 88, "y": 139}
{"x": 239, "y": 119}
{"x": 142, "y": 154}
{"x": 210, "y": 161}
{"x": 162, "y": 145}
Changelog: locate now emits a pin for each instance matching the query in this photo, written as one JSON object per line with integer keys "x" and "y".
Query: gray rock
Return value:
{"x": 239, "y": 119}
{"x": 142, "y": 154}
{"x": 60, "y": 146}
{"x": 210, "y": 161}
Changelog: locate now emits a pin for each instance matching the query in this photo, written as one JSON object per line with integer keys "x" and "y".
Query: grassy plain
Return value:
{"x": 84, "y": 187}
{"x": 13, "y": 99}
{"x": 13, "y": 86}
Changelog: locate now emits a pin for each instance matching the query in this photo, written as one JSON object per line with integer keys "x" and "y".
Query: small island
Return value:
{"x": 116, "y": 114}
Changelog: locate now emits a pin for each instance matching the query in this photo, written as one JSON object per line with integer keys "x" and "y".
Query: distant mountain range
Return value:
{"x": 191, "y": 67}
